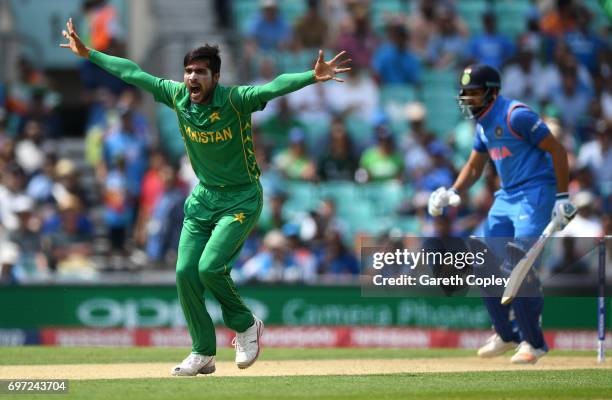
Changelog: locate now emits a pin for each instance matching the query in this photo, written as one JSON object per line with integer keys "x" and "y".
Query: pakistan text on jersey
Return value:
{"x": 208, "y": 137}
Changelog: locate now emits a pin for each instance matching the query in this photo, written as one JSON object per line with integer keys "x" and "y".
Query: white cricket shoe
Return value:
{"x": 526, "y": 354}
{"x": 248, "y": 345}
{"x": 495, "y": 346}
{"x": 195, "y": 364}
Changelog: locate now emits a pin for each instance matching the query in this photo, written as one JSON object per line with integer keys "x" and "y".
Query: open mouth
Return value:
{"x": 195, "y": 90}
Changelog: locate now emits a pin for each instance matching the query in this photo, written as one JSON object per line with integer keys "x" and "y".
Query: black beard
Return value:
{"x": 477, "y": 111}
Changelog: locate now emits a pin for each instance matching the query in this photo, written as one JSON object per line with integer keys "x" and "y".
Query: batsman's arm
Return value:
{"x": 532, "y": 128}
{"x": 471, "y": 172}
{"x": 559, "y": 160}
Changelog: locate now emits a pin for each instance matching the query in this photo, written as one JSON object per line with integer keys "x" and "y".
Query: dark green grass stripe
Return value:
{"x": 557, "y": 385}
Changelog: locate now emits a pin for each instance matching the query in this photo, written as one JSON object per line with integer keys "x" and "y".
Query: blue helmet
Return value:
{"x": 477, "y": 76}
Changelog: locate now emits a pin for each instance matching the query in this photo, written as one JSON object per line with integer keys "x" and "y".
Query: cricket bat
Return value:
{"x": 524, "y": 265}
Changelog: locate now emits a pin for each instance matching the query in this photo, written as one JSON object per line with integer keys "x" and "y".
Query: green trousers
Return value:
{"x": 216, "y": 224}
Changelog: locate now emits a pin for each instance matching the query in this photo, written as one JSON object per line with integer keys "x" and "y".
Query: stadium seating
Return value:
{"x": 509, "y": 13}
{"x": 169, "y": 135}
{"x": 359, "y": 129}
{"x": 245, "y": 10}
{"x": 372, "y": 208}
{"x": 316, "y": 133}
{"x": 471, "y": 12}
{"x": 393, "y": 100}
{"x": 47, "y": 18}
{"x": 382, "y": 10}
{"x": 302, "y": 197}
{"x": 297, "y": 61}
{"x": 439, "y": 92}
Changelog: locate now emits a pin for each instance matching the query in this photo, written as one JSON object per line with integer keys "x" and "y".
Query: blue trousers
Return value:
{"x": 520, "y": 215}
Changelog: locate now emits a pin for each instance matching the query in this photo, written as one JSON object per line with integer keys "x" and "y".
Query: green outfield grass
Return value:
{"x": 579, "y": 384}
{"x": 93, "y": 355}
{"x": 575, "y": 384}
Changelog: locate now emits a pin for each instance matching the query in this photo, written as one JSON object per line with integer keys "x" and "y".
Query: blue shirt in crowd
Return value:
{"x": 394, "y": 65}
{"x": 490, "y": 49}
{"x": 133, "y": 150}
{"x": 269, "y": 34}
{"x": 586, "y": 47}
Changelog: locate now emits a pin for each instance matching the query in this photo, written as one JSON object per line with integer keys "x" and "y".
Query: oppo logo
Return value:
{"x": 103, "y": 312}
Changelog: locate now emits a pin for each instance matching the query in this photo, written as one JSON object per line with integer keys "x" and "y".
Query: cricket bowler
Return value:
{"x": 533, "y": 169}
{"x": 215, "y": 123}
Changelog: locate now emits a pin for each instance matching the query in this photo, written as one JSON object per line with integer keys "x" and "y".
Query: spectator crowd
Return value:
{"x": 319, "y": 149}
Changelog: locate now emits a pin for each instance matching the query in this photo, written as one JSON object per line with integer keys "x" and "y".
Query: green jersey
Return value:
{"x": 217, "y": 135}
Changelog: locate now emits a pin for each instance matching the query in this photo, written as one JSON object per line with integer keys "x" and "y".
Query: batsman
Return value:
{"x": 533, "y": 170}
{"x": 215, "y": 123}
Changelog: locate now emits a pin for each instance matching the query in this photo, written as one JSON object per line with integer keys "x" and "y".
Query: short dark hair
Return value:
{"x": 91, "y": 4}
{"x": 207, "y": 52}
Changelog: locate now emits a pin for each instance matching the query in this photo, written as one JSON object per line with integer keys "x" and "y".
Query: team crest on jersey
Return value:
{"x": 239, "y": 217}
{"x": 499, "y": 131}
{"x": 215, "y": 117}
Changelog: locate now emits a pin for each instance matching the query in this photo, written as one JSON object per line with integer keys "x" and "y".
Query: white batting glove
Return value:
{"x": 563, "y": 211}
{"x": 441, "y": 198}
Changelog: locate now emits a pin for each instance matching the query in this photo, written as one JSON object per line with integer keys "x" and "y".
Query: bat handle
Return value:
{"x": 552, "y": 227}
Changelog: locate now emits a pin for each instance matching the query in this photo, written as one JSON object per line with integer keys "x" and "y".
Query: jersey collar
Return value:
{"x": 217, "y": 99}
{"x": 489, "y": 113}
